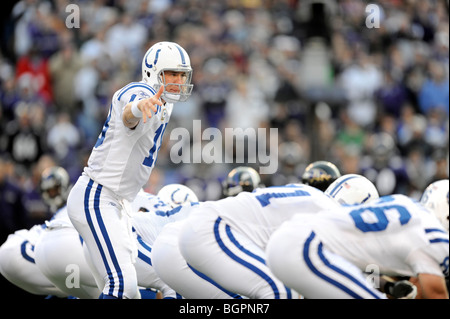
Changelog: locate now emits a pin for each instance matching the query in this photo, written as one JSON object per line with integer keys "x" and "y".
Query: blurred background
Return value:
{"x": 366, "y": 90}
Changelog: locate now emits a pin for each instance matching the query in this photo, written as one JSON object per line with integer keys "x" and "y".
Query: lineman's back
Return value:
{"x": 394, "y": 233}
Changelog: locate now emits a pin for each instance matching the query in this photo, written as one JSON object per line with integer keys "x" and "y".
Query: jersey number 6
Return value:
{"x": 379, "y": 213}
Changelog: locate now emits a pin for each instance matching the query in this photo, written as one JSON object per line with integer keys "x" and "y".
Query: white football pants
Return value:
{"x": 172, "y": 268}
{"x": 59, "y": 255}
{"x": 98, "y": 216}
{"x": 229, "y": 258}
{"x": 17, "y": 264}
{"x": 297, "y": 257}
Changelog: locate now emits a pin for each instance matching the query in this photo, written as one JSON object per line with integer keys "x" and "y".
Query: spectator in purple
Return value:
{"x": 13, "y": 214}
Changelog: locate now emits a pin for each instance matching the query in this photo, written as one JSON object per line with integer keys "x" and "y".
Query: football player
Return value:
{"x": 150, "y": 216}
{"x": 59, "y": 252}
{"x": 121, "y": 162}
{"x": 393, "y": 235}
{"x": 320, "y": 174}
{"x": 170, "y": 264}
{"x": 234, "y": 232}
{"x": 18, "y": 255}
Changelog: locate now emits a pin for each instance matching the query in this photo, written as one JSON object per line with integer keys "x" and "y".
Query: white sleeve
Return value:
{"x": 421, "y": 262}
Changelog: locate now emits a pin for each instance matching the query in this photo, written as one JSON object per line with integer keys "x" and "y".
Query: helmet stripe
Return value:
{"x": 183, "y": 60}
{"x": 337, "y": 187}
{"x": 145, "y": 59}
{"x": 154, "y": 62}
{"x": 156, "y": 56}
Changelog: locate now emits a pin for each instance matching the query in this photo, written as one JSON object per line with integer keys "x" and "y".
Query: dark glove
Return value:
{"x": 402, "y": 289}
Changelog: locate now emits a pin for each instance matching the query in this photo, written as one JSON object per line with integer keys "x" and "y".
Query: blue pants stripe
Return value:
{"x": 204, "y": 277}
{"x": 141, "y": 254}
{"x": 306, "y": 253}
{"x": 104, "y": 233}
{"x": 240, "y": 260}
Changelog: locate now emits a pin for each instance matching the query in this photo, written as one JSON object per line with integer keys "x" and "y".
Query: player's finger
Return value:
{"x": 149, "y": 104}
{"x": 160, "y": 92}
{"x": 152, "y": 105}
{"x": 146, "y": 114}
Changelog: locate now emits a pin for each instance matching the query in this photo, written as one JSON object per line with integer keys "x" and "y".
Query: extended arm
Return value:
{"x": 134, "y": 111}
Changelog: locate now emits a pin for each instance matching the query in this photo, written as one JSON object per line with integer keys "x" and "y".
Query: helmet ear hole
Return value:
{"x": 148, "y": 73}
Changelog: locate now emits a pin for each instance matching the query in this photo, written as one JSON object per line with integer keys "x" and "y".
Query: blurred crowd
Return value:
{"x": 373, "y": 98}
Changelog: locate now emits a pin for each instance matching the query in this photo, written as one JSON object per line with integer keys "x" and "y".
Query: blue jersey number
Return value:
{"x": 101, "y": 138}
{"x": 264, "y": 199}
{"x": 149, "y": 160}
{"x": 379, "y": 213}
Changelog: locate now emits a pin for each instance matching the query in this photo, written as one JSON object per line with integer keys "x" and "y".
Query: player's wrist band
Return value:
{"x": 135, "y": 110}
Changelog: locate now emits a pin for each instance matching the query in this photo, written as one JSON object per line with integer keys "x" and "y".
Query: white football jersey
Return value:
{"x": 33, "y": 234}
{"x": 59, "y": 219}
{"x": 259, "y": 213}
{"x": 123, "y": 158}
{"x": 393, "y": 235}
{"x": 149, "y": 224}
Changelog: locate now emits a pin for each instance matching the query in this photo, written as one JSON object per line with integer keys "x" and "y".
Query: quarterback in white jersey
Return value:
{"x": 121, "y": 162}
{"x": 325, "y": 255}
{"x": 226, "y": 239}
{"x": 123, "y": 158}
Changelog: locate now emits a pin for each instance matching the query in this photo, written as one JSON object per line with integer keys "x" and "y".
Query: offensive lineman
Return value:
{"x": 320, "y": 174}
{"x": 395, "y": 234}
{"x": 170, "y": 265}
{"x": 17, "y": 254}
{"x": 121, "y": 163}
{"x": 71, "y": 272}
{"x": 149, "y": 218}
{"x": 226, "y": 239}
{"x": 59, "y": 251}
